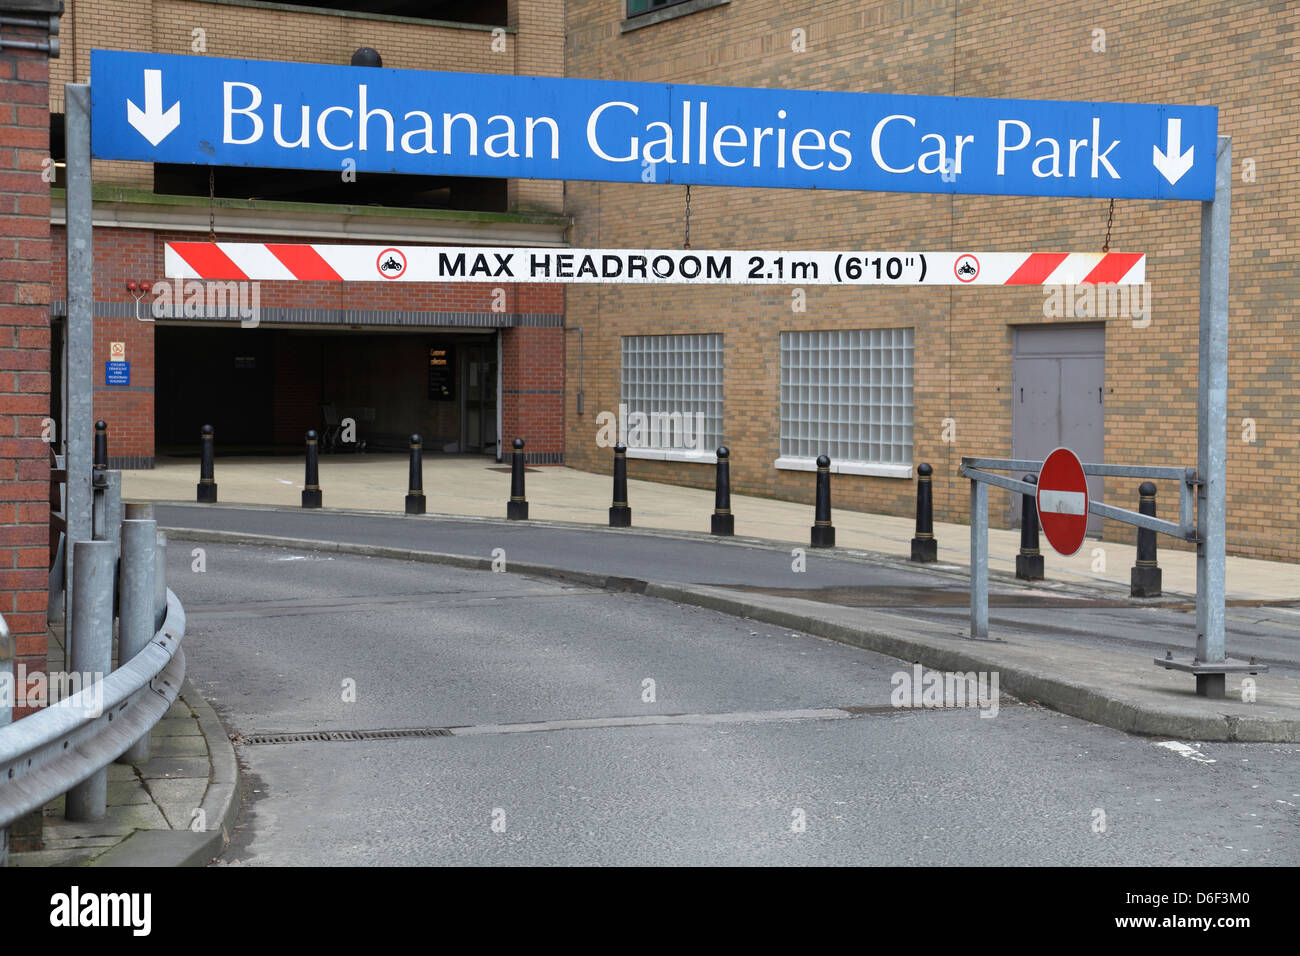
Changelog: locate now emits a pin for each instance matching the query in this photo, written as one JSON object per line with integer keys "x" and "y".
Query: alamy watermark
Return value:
{"x": 927, "y": 688}
{"x": 1099, "y": 301}
{"x": 192, "y": 299}
{"x": 661, "y": 430}
{"x": 25, "y": 688}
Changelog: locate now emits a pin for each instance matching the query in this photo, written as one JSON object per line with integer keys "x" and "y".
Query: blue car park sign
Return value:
{"x": 182, "y": 109}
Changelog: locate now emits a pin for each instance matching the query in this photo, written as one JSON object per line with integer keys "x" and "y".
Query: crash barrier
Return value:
{"x": 1209, "y": 662}
{"x": 103, "y": 713}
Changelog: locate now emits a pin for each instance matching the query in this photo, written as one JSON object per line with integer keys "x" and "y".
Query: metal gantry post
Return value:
{"x": 1212, "y": 425}
{"x": 78, "y": 342}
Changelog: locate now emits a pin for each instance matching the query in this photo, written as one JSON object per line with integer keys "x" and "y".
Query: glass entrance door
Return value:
{"x": 479, "y": 422}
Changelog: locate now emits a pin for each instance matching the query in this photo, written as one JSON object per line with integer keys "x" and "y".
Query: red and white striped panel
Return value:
{"x": 365, "y": 263}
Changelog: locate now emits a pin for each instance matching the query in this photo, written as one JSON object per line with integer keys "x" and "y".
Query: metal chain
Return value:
{"x": 687, "y": 244}
{"x": 212, "y": 206}
{"x": 1110, "y": 219}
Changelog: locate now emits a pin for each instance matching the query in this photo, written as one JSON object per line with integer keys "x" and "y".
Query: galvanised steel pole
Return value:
{"x": 159, "y": 581}
{"x": 135, "y": 627}
{"x": 90, "y": 654}
{"x": 78, "y": 340}
{"x": 1212, "y": 425}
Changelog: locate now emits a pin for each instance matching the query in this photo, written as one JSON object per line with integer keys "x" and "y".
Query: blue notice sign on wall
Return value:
{"x": 117, "y": 373}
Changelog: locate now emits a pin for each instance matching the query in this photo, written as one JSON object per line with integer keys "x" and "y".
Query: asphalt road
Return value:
{"x": 786, "y": 750}
{"x": 1271, "y": 634}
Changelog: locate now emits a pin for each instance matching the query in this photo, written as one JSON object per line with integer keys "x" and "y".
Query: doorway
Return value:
{"x": 479, "y": 411}
{"x": 1058, "y": 398}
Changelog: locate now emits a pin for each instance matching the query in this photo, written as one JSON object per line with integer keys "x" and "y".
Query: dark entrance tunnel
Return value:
{"x": 262, "y": 388}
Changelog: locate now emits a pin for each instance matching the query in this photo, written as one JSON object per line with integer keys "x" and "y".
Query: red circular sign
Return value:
{"x": 391, "y": 263}
{"x": 966, "y": 268}
{"x": 1062, "y": 501}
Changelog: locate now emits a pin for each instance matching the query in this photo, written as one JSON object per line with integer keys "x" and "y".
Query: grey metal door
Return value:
{"x": 1058, "y": 397}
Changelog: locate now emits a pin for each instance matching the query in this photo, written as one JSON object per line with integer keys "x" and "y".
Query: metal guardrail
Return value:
{"x": 66, "y": 747}
{"x": 51, "y": 751}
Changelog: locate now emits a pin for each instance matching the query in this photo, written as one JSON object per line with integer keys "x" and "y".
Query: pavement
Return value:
{"x": 475, "y": 486}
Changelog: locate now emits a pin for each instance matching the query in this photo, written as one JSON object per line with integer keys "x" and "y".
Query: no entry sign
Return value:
{"x": 1063, "y": 501}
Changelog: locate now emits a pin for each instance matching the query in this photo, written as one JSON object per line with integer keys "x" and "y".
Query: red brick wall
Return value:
{"x": 24, "y": 365}
{"x": 24, "y": 348}
{"x": 533, "y": 369}
{"x": 532, "y": 379}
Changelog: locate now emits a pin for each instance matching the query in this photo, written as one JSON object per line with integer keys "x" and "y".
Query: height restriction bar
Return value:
{"x": 348, "y": 263}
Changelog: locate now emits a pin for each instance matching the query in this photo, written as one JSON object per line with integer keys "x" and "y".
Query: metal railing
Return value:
{"x": 104, "y": 714}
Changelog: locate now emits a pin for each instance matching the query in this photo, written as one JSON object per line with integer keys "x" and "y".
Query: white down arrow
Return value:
{"x": 151, "y": 122}
{"x": 1169, "y": 163}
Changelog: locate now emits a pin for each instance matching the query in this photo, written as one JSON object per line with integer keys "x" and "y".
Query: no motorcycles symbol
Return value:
{"x": 391, "y": 263}
{"x": 967, "y": 267}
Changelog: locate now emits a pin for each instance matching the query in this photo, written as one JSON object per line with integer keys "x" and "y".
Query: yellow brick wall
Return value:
{"x": 1238, "y": 55}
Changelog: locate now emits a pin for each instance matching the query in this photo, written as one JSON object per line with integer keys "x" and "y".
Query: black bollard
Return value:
{"x": 620, "y": 515}
{"x": 517, "y": 506}
{"x": 925, "y": 549}
{"x": 311, "y": 497}
{"x": 723, "y": 522}
{"x": 823, "y": 532}
{"x": 101, "y": 446}
{"x": 415, "y": 486}
{"x": 1029, "y": 562}
{"x": 207, "y": 490}
{"x": 1144, "y": 579}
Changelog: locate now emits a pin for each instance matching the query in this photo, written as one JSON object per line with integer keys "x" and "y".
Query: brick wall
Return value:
{"x": 24, "y": 364}
{"x": 24, "y": 347}
{"x": 1236, "y": 55}
{"x": 122, "y": 255}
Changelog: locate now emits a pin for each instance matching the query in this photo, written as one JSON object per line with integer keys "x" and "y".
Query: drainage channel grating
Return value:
{"x": 325, "y": 736}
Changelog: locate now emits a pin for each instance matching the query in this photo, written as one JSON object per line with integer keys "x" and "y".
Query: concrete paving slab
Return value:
{"x": 184, "y": 745}
{"x": 178, "y": 799}
{"x": 177, "y": 727}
